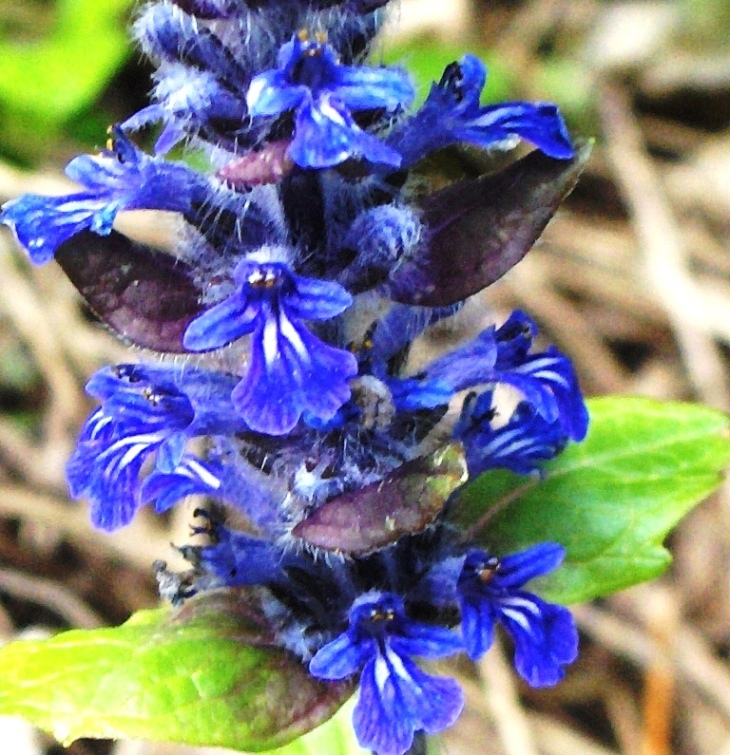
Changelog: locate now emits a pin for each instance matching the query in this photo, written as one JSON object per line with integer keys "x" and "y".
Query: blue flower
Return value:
{"x": 324, "y": 94}
{"x": 144, "y": 413}
{"x": 489, "y": 591}
{"x": 290, "y": 371}
{"x": 546, "y": 379}
{"x": 452, "y": 114}
{"x": 115, "y": 442}
{"x": 397, "y": 699}
{"x": 520, "y": 445}
{"x": 120, "y": 178}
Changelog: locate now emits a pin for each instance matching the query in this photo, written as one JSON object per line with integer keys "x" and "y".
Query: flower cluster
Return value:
{"x": 309, "y": 264}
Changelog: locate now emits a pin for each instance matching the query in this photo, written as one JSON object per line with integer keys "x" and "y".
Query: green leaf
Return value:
{"x": 206, "y": 674}
{"x": 334, "y": 737}
{"x": 54, "y": 77}
{"x": 47, "y": 81}
{"x": 610, "y": 500}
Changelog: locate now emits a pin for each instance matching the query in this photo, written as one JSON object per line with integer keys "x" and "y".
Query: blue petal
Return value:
{"x": 478, "y": 618}
{"x": 373, "y": 88}
{"x": 426, "y": 641}
{"x": 314, "y": 299}
{"x": 535, "y": 393}
{"x": 469, "y": 365}
{"x": 145, "y": 117}
{"x": 223, "y": 323}
{"x": 554, "y": 376}
{"x": 411, "y": 394}
{"x": 514, "y": 339}
{"x": 341, "y": 657}
{"x": 271, "y": 94}
{"x": 545, "y": 638}
{"x": 539, "y": 123}
{"x": 384, "y": 726}
{"x": 290, "y": 372}
{"x": 109, "y": 480}
{"x": 519, "y": 568}
{"x": 170, "y": 453}
{"x": 190, "y": 477}
{"x": 326, "y": 135}
{"x": 397, "y": 699}
{"x": 42, "y": 224}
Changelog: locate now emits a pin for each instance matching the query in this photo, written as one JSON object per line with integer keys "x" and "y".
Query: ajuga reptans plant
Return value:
{"x": 277, "y": 335}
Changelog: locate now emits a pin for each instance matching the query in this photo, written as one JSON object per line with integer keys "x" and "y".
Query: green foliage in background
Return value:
{"x": 426, "y": 59}
{"x": 56, "y": 61}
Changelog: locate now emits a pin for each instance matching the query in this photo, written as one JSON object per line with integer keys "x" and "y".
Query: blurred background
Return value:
{"x": 631, "y": 279}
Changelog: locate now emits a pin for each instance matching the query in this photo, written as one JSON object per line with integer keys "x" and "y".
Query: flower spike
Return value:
{"x": 281, "y": 373}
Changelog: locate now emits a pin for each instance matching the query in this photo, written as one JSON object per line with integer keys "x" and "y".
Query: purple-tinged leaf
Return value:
{"x": 145, "y": 296}
{"x": 404, "y": 503}
{"x": 479, "y": 229}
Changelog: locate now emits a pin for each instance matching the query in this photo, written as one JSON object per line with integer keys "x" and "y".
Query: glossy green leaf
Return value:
{"x": 203, "y": 675}
{"x": 610, "y": 500}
